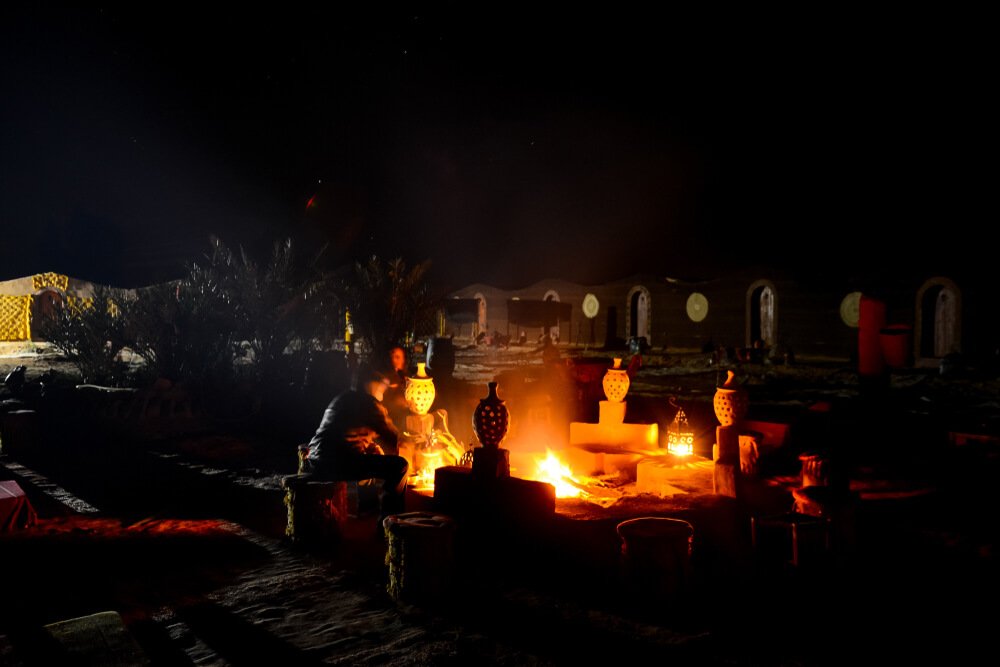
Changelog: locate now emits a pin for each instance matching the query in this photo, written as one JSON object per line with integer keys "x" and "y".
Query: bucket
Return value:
{"x": 656, "y": 555}
{"x": 895, "y": 342}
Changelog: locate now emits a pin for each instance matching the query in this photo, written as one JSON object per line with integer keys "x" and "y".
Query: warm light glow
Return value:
{"x": 442, "y": 450}
{"x": 425, "y": 462}
{"x": 419, "y": 392}
{"x": 680, "y": 437}
{"x": 555, "y": 472}
{"x": 681, "y": 444}
{"x": 423, "y": 480}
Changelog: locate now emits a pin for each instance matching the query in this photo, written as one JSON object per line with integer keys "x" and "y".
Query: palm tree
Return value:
{"x": 387, "y": 301}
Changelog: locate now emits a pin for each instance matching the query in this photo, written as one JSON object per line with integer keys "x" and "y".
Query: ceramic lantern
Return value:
{"x": 616, "y": 382}
{"x": 491, "y": 419}
{"x": 731, "y": 401}
{"x": 419, "y": 392}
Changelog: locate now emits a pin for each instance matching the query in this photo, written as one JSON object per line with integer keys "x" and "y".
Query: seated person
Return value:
{"x": 352, "y": 440}
{"x": 394, "y": 398}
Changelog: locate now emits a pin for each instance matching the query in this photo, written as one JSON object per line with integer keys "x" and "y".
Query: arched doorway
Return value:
{"x": 45, "y": 304}
{"x": 638, "y": 307}
{"x": 761, "y": 314}
{"x": 481, "y": 323}
{"x": 939, "y": 319}
{"x": 553, "y": 331}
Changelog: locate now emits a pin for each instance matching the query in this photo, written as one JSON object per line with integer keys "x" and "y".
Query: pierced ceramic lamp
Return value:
{"x": 730, "y": 401}
{"x": 616, "y": 382}
{"x": 419, "y": 392}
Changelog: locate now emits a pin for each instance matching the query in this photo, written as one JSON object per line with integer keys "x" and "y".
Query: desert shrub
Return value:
{"x": 92, "y": 333}
{"x": 185, "y": 330}
{"x": 278, "y": 309}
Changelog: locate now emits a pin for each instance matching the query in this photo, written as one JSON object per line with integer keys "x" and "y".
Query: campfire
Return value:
{"x": 549, "y": 468}
{"x": 594, "y": 472}
{"x": 554, "y": 471}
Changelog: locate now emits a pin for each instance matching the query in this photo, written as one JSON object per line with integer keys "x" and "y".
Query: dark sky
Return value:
{"x": 505, "y": 147}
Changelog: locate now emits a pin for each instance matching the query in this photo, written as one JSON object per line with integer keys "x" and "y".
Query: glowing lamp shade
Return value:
{"x": 680, "y": 437}
{"x": 419, "y": 393}
{"x": 616, "y": 382}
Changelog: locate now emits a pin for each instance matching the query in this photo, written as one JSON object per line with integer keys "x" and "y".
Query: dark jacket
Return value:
{"x": 351, "y": 424}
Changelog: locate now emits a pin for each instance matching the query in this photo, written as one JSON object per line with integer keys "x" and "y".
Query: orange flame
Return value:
{"x": 555, "y": 472}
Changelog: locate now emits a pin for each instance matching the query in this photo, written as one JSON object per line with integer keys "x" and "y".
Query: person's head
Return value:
{"x": 372, "y": 381}
{"x": 376, "y": 384}
{"x": 397, "y": 358}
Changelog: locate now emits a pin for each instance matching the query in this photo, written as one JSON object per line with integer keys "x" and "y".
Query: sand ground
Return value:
{"x": 182, "y": 534}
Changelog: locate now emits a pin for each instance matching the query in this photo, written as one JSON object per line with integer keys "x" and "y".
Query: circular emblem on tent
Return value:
{"x": 697, "y": 307}
{"x": 850, "y": 309}
{"x": 590, "y": 305}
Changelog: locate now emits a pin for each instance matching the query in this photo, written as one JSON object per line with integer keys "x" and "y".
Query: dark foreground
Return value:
{"x": 182, "y": 535}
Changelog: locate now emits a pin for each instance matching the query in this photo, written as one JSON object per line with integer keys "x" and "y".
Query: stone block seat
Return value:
{"x": 318, "y": 509}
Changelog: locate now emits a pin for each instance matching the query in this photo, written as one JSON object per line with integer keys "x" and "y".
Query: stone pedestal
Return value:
{"x": 419, "y": 424}
{"x": 727, "y": 460}
{"x": 490, "y": 463}
{"x": 610, "y": 412}
{"x": 459, "y": 493}
{"x": 724, "y": 478}
{"x": 610, "y": 445}
{"x": 671, "y": 475}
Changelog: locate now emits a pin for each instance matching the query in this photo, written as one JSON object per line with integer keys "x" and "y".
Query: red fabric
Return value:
{"x": 15, "y": 510}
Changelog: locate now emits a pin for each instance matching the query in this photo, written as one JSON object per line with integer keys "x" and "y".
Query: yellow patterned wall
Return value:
{"x": 15, "y": 313}
{"x": 57, "y": 280}
{"x": 15, "y": 310}
{"x": 77, "y": 304}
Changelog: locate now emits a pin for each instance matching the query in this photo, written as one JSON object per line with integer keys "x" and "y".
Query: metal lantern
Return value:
{"x": 680, "y": 437}
{"x": 419, "y": 393}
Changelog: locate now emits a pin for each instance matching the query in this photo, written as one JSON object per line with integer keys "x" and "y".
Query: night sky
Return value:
{"x": 505, "y": 147}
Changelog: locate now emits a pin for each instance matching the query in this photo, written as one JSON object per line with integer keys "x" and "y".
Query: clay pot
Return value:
{"x": 490, "y": 419}
{"x": 616, "y": 382}
{"x": 731, "y": 402}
